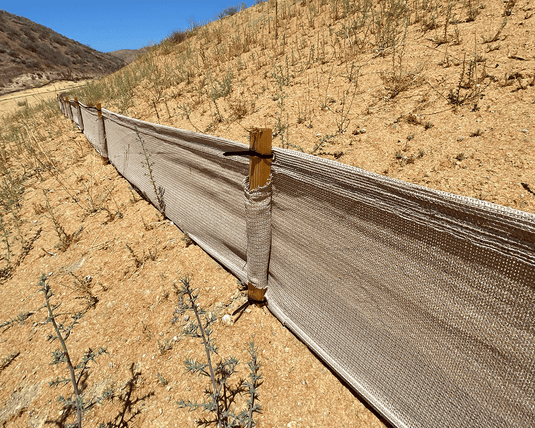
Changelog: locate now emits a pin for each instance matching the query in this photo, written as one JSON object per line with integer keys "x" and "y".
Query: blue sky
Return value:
{"x": 111, "y": 25}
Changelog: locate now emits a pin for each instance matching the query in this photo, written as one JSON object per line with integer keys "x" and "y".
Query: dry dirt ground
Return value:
{"x": 134, "y": 315}
{"x": 454, "y": 115}
{"x": 12, "y": 102}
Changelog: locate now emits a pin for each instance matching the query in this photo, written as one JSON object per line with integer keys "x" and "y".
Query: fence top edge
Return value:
{"x": 284, "y": 156}
{"x": 163, "y": 130}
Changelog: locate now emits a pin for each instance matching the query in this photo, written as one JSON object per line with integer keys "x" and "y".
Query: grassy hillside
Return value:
{"x": 435, "y": 93}
{"x": 129, "y": 55}
{"x": 32, "y": 55}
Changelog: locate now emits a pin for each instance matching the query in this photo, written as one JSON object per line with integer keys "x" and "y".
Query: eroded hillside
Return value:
{"x": 439, "y": 94}
{"x": 33, "y": 55}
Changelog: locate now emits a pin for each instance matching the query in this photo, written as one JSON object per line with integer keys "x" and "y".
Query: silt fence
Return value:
{"x": 421, "y": 300}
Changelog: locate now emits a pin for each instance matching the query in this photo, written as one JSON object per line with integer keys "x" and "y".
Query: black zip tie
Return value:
{"x": 249, "y": 153}
{"x": 242, "y": 307}
{"x": 526, "y": 186}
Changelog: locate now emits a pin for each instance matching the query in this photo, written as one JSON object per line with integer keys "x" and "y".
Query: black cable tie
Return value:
{"x": 526, "y": 186}
{"x": 249, "y": 153}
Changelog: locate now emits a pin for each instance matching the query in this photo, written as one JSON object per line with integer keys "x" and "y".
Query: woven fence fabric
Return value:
{"x": 422, "y": 300}
{"x": 258, "y": 215}
{"x": 75, "y": 114}
{"x": 63, "y": 107}
{"x": 94, "y": 129}
{"x": 202, "y": 189}
{"x": 68, "y": 110}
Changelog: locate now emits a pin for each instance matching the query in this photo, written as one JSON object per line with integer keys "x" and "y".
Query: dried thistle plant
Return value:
{"x": 221, "y": 395}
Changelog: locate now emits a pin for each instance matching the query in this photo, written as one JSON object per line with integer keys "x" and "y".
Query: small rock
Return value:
{"x": 460, "y": 139}
{"x": 186, "y": 318}
{"x": 292, "y": 424}
{"x": 227, "y": 319}
{"x": 524, "y": 131}
{"x": 248, "y": 310}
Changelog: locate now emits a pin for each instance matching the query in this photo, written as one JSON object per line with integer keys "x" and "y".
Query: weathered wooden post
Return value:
{"x": 259, "y": 175}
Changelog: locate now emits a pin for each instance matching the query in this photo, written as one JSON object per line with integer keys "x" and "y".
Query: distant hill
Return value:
{"x": 32, "y": 54}
{"x": 129, "y": 55}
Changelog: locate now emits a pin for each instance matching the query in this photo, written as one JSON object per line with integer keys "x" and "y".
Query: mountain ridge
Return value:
{"x": 32, "y": 55}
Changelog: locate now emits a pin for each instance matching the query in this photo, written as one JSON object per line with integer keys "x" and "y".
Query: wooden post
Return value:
{"x": 99, "y": 110}
{"x": 259, "y": 172}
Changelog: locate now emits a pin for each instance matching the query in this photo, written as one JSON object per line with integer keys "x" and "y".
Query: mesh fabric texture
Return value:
{"x": 258, "y": 215}
{"x": 76, "y": 117}
{"x": 69, "y": 110}
{"x": 423, "y": 301}
{"x": 202, "y": 189}
{"x": 94, "y": 129}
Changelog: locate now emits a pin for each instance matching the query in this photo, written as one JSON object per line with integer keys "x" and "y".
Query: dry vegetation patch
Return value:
{"x": 360, "y": 82}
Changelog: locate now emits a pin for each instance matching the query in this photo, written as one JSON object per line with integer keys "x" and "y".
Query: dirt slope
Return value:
{"x": 129, "y": 55}
{"x": 400, "y": 91}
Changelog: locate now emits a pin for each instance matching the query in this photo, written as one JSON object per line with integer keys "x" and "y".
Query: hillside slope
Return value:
{"x": 129, "y": 55}
{"x": 441, "y": 96}
{"x": 31, "y": 55}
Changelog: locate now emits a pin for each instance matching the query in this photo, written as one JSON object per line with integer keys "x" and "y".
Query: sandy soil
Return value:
{"x": 11, "y": 102}
{"x": 134, "y": 315}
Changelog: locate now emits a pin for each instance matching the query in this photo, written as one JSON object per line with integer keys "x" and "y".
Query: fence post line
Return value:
{"x": 259, "y": 173}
